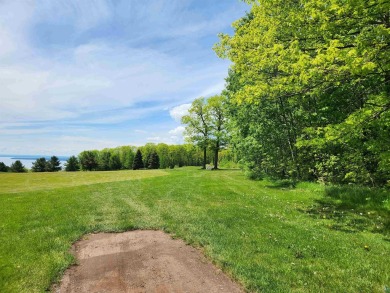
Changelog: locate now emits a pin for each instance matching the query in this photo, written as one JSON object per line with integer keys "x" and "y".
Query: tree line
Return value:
{"x": 149, "y": 156}
{"x": 16, "y": 167}
{"x": 39, "y": 165}
{"x": 307, "y": 94}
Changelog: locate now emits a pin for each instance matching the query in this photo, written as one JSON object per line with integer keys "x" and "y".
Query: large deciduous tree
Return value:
{"x": 309, "y": 88}
{"x": 89, "y": 160}
{"x": 216, "y": 108}
{"x": 198, "y": 126}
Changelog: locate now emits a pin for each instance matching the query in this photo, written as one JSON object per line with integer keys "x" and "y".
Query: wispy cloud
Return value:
{"x": 179, "y": 111}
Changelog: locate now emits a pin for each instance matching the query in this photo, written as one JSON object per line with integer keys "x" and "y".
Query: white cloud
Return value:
{"x": 154, "y": 139}
{"x": 179, "y": 111}
{"x": 177, "y": 131}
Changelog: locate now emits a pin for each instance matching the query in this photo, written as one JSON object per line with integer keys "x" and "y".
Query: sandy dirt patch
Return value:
{"x": 141, "y": 261}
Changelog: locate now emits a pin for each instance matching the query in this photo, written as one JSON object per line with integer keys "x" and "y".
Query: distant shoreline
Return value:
{"x": 32, "y": 157}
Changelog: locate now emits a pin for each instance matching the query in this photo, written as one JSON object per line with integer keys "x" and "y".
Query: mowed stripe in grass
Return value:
{"x": 22, "y": 182}
{"x": 254, "y": 231}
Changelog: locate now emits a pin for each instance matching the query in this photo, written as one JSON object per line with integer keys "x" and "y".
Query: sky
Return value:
{"x": 80, "y": 75}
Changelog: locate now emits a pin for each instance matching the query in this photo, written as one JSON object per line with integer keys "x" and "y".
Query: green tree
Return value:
{"x": 138, "y": 162}
{"x": 53, "y": 165}
{"x": 154, "y": 161}
{"x": 3, "y": 167}
{"x": 104, "y": 157}
{"x": 198, "y": 126}
{"x": 309, "y": 89}
{"x": 126, "y": 154}
{"x": 115, "y": 162}
{"x": 218, "y": 133}
{"x": 72, "y": 164}
{"x": 40, "y": 165}
{"x": 88, "y": 160}
{"x": 147, "y": 150}
{"x": 162, "y": 150}
{"x": 17, "y": 167}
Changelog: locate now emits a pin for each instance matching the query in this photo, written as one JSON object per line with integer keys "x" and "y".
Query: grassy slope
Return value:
{"x": 260, "y": 234}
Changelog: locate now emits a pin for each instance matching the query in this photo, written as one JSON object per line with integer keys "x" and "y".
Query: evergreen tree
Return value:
{"x": 53, "y": 165}
{"x": 138, "y": 163}
{"x": 72, "y": 164}
{"x": 3, "y": 167}
{"x": 39, "y": 165}
{"x": 154, "y": 161}
{"x": 17, "y": 167}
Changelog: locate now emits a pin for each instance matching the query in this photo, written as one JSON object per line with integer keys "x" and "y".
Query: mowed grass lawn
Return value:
{"x": 268, "y": 237}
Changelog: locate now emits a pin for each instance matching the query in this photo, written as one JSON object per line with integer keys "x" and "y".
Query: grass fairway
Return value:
{"x": 269, "y": 238}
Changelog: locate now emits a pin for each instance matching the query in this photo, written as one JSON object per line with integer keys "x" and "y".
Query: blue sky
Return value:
{"x": 91, "y": 74}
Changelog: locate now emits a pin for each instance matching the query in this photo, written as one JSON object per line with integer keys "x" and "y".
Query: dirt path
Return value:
{"x": 141, "y": 261}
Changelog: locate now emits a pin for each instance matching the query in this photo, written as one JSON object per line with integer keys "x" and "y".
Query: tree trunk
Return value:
{"x": 204, "y": 157}
{"x": 216, "y": 151}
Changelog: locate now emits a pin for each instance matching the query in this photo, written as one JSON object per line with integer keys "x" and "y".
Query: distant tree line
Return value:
{"x": 149, "y": 156}
{"x": 16, "y": 167}
{"x": 43, "y": 165}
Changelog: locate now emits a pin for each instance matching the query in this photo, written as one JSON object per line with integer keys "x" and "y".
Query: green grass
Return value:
{"x": 22, "y": 182}
{"x": 268, "y": 237}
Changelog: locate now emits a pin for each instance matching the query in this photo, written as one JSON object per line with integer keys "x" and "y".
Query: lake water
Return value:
{"x": 28, "y": 160}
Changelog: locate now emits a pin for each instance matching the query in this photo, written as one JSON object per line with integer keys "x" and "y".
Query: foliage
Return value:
{"x": 89, "y": 160}
{"x": 3, "y": 167}
{"x": 40, "y": 165}
{"x": 72, "y": 164}
{"x": 218, "y": 135}
{"x": 308, "y": 91}
{"x": 154, "y": 161}
{"x": 104, "y": 160}
{"x": 126, "y": 155}
{"x": 17, "y": 167}
{"x": 115, "y": 162}
{"x": 138, "y": 162}
{"x": 198, "y": 127}
{"x": 205, "y": 126}
{"x": 119, "y": 157}
{"x": 53, "y": 165}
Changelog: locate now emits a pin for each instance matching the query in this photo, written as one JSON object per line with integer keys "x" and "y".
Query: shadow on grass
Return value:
{"x": 282, "y": 183}
{"x": 352, "y": 209}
